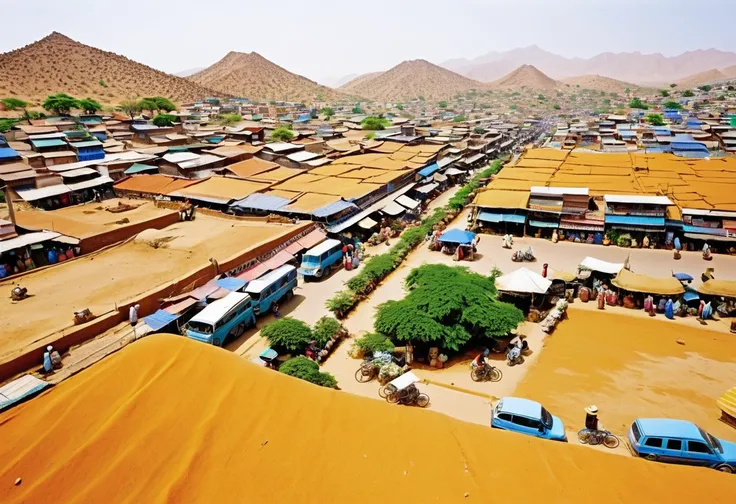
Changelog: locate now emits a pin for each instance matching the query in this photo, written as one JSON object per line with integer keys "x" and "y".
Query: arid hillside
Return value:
{"x": 359, "y": 80}
{"x": 58, "y": 64}
{"x": 600, "y": 83}
{"x": 410, "y": 80}
{"x": 699, "y": 79}
{"x": 525, "y": 76}
{"x": 252, "y": 76}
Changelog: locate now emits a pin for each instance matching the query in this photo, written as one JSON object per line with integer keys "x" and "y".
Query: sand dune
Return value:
{"x": 526, "y": 76}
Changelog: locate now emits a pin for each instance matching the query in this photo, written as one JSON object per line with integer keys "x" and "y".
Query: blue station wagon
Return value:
{"x": 680, "y": 442}
{"x": 527, "y": 417}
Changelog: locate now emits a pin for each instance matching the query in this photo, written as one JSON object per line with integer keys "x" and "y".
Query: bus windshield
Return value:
{"x": 308, "y": 260}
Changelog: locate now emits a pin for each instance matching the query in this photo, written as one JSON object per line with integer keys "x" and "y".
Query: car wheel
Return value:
{"x": 725, "y": 468}
{"x": 328, "y": 270}
{"x": 650, "y": 456}
{"x": 216, "y": 342}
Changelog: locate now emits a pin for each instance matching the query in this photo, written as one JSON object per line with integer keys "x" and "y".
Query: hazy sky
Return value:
{"x": 327, "y": 39}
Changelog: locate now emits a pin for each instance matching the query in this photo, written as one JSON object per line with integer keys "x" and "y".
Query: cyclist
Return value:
{"x": 481, "y": 359}
{"x": 591, "y": 418}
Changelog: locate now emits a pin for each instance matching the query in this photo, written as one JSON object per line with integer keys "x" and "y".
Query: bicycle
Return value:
{"x": 366, "y": 372}
{"x": 486, "y": 372}
{"x": 609, "y": 440}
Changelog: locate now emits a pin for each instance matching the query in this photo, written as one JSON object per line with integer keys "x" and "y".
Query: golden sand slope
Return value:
{"x": 170, "y": 419}
{"x": 699, "y": 79}
{"x": 57, "y": 64}
{"x": 600, "y": 83}
{"x": 253, "y": 76}
{"x": 526, "y": 76}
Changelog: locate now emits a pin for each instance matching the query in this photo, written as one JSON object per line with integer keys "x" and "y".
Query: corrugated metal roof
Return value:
{"x": 637, "y": 199}
{"x": 407, "y": 202}
{"x": 260, "y": 201}
{"x": 39, "y": 144}
{"x": 8, "y": 153}
{"x": 180, "y": 157}
{"x": 79, "y": 172}
{"x": 302, "y": 156}
{"x": 283, "y": 146}
{"x": 333, "y": 208}
{"x": 43, "y": 192}
{"x": 19, "y": 389}
{"x": 429, "y": 170}
{"x": 95, "y": 182}
{"x": 635, "y": 220}
{"x": 139, "y": 168}
{"x": 27, "y": 239}
{"x": 86, "y": 144}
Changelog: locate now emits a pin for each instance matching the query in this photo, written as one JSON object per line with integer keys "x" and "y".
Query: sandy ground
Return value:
{"x": 90, "y": 218}
{"x": 168, "y": 419}
{"x": 100, "y": 281}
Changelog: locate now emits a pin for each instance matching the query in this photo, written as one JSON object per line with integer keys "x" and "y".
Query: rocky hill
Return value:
{"x": 600, "y": 83}
{"x": 412, "y": 79}
{"x": 359, "y": 80}
{"x": 525, "y": 76}
{"x": 58, "y": 64}
{"x": 252, "y": 76}
{"x": 699, "y": 79}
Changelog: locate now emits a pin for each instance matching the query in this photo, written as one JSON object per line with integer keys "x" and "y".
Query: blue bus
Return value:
{"x": 225, "y": 318}
{"x": 274, "y": 286}
{"x": 320, "y": 260}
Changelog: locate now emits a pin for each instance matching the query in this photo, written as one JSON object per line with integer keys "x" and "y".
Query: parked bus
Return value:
{"x": 225, "y": 318}
{"x": 274, "y": 286}
{"x": 320, "y": 260}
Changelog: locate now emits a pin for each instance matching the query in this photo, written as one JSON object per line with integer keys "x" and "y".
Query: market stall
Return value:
{"x": 461, "y": 244}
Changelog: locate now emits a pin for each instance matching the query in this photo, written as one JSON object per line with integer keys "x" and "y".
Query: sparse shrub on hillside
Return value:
{"x": 636, "y": 103}
{"x": 442, "y": 104}
{"x": 374, "y": 123}
{"x": 705, "y": 88}
{"x": 664, "y": 93}
{"x": 673, "y": 85}
{"x": 130, "y": 107}
{"x": 282, "y": 134}
{"x": 688, "y": 93}
{"x": 7, "y": 124}
{"x": 14, "y": 104}
{"x": 327, "y": 111}
{"x": 556, "y": 106}
{"x": 459, "y": 118}
{"x": 357, "y": 110}
{"x": 227, "y": 119}
{"x": 400, "y": 106}
{"x": 102, "y": 83}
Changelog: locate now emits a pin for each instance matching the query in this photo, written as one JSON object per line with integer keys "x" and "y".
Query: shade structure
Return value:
{"x": 457, "y": 236}
{"x": 725, "y": 288}
{"x": 627, "y": 280}
{"x": 593, "y": 264}
{"x": 523, "y": 281}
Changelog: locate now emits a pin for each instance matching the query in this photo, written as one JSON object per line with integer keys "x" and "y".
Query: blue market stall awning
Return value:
{"x": 333, "y": 208}
{"x": 140, "y": 168}
{"x": 429, "y": 170}
{"x": 704, "y": 230}
{"x": 690, "y": 295}
{"x": 672, "y": 223}
{"x": 159, "y": 320}
{"x": 494, "y": 217}
{"x": 635, "y": 220}
{"x": 231, "y": 283}
{"x": 457, "y": 236}
{"x": 7, "y": 153}
{"x": 543, "y": 224}
{"x": 683, "y": 277}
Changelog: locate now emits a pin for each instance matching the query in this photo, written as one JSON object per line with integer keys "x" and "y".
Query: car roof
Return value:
{"x": 669, "y": 428}
{"x": 322, "y": 247}
{"x": 519, "y": 406}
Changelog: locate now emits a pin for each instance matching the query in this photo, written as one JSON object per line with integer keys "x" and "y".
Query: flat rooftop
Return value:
{"x": 92, "y": 218}
{"x": 105, "y": 279}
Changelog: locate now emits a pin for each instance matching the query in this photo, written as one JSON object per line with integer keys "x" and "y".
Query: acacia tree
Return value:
{"x": 282, "y": 134}
{"x": 130, "y": 107}
{"x": 447, "y": 306}
{"x": 148, "y": 104}
{"x": 161, "y": 103}
{"x": 60, "y": 103}
{"x": 89, "y": 105}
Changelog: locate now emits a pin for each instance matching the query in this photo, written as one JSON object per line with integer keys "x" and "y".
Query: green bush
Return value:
{"x": 688, "y": 93}
{"x": 102, "y": 83}
{"x": 60, "y": 103}
{"x": 7, "y": 124}
{"x": 375, "y": 123}
{"x": 325, "y": 329}
{"x": 13, "y": 103}
{"x": 282, "y": 134}
{"x": 373, "y": 342}
{"x": 89, "y": 105}
{"x": 288, "y": 334}
{"x": 306, "y": 369}
{"x": 164, "y": 120}
{"x": 341, "y": 303}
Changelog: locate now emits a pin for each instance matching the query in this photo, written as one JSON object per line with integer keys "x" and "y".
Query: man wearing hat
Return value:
{"x": 591, "y": 418}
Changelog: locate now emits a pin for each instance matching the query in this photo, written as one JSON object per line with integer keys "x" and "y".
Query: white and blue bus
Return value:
{"x": 276, "y": 286}
{"x": 320, "y": 260}
{"x": 223, "y": 319}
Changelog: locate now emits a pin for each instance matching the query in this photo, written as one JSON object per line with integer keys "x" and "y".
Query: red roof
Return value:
{"x": 294, "y": 248}
{"x": 279, "y": 259}
{"x": 253, "y": 273}
{"x": 312, "y": 239}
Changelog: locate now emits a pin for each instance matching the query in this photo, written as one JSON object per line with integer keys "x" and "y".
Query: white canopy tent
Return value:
{"x": 523, "y": 281}
{"x": 593, "y": 264}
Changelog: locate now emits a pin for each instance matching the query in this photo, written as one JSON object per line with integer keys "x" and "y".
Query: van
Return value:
{"x": 320, "y": 260}
{"x": 275, "y": 286}
{"x": 223, "y": 319}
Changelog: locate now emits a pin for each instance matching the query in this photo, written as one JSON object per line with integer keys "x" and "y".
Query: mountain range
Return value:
{"x": 643, "y": 69}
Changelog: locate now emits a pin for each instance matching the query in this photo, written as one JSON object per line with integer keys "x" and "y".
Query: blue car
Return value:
{"x": 680, "y": 442}
{"x": 527, "y": 417}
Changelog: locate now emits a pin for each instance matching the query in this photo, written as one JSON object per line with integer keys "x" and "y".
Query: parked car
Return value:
{"x": 527, "y": 417}
{"x": 319, "y": 261}
{"x": 680, "y": 442}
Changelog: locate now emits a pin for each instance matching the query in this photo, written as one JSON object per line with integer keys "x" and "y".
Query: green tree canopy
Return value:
{"x": 655, "y": 120}
{"x": 636, "y": 103}
{"x": 89, "y": 105}
{"x": 400, "y": 106}
{"x": 162, "y": 103}
{"x": 459, "y": 118}
{"x": 227, "y": 119}
{"x": 288, "y": 334}
{"x": 374, "y": 123}
{"x": 327, "y": 111}
{"x": 706, "y": 87}
{"x": 673, "y": 85}
{"x": 442, "y": 104}
{"x": 479, "y": 130}
{"x": 357, "y": 109}
{"x": 447, "y": 306}
{"x": 60, "y": 103}
{"x": 14, "y": 103}
{"x": 164, "y": 120}
{"x": 664, "y": 93}
{"x": 556, "y": 106}
{"x": 306, "y": 369}
{"x": 324, "y": 329}
{"x": 148, "y": 104}
{"x": 6, "y": 125}
{"x": 130, "y": 107}
{"x": 282, "y": 134}
{"x": 672, "y": 105}
{"x": 688, "y": 93}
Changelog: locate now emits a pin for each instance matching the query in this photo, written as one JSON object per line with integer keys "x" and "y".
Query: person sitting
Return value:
{"x": 481, "y": 359}
{"x": 591, "y": 418}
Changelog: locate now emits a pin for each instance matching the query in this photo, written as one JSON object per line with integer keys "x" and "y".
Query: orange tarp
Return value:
{"x": 502, "y": 199}
{"x": 278, "y": 175}
{"x": 250, "y": 167}
{"x": 224, "y": 188}
{"x": 310, "y": 201}
{"x": 153, "y": 423}
{"x": 154, "y": 184}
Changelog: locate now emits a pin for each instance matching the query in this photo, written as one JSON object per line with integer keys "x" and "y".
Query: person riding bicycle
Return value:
{"x": 591, "y": 418}
{"x": 481, "y": 359}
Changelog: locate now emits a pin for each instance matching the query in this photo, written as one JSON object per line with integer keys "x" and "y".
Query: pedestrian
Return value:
{"x": 275, "y": 309}
{"x": 133, "y": 314}
{"x": 47, "y": 366}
